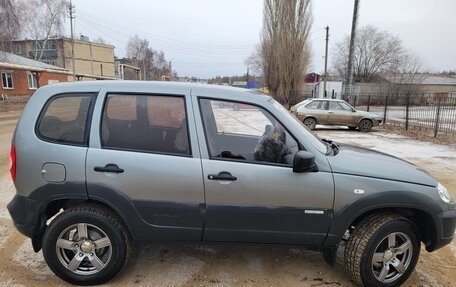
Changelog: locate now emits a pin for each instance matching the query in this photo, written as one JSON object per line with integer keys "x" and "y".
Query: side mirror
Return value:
{"x": 304, "y": 161}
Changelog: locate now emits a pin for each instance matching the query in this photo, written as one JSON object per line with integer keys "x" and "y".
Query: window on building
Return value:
{"x": 49, "y": 61}
{"x": 32, "y": 82}
{"x": 18, "y": 49}
{"x": 7, "y": 80}
{"x": 144, "y": 123}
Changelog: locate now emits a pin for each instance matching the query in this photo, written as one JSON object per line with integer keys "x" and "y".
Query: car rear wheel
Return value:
{"x": 86, "y": 245}
{"x": 365, "y": 126}
{"x": 382, "y": 251}
{"x": 310, "y": 123}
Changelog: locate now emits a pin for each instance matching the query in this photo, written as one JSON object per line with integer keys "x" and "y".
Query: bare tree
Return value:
{"x": 284, "y": 52}
{"x": 153, "y": 63}
{"x": 43, "y": 19}
{"x": 376, "y": 52}
{"x": 406, "y": 74}
{"x": 10, "y": 25}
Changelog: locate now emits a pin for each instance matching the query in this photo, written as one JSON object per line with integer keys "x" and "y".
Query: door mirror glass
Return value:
{"x": 304, "y": 161}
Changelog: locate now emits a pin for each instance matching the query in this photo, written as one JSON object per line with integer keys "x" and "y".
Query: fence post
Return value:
{"x": 407, "y": 110}
{"x": 386, "y": 109}
{"x": 368, "y": 102}
{"x": 354, "y": 102}
{"x": 437, "y": 116}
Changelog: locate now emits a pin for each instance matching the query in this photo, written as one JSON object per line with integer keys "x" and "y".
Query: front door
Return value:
{"x": 143, "y": 152}
{"x": 252, "y": 194}
{"x": 341, "y": 114}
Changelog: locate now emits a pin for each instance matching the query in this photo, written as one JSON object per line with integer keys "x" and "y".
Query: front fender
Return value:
{"x": 344, "y": 217}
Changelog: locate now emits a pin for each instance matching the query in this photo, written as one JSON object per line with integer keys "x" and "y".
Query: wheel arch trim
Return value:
{"x": 381, "y": 202}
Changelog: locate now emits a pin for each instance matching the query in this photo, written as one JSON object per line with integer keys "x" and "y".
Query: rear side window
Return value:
{"x": 145, "y": 123}
{"x": 64, "y": 119}
{"x": 317, "y": 105}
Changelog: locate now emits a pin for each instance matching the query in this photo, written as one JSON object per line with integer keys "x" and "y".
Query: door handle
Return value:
{"x": 109, "y": 168}
{"x": 222, "y": 176}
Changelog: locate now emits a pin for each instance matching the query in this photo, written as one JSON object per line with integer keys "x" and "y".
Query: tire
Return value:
{"x": 311, "y": 123}
{"x": 372, "y": 236}
{"x": 75, "y": 252}
{"x": 365, "y": 126}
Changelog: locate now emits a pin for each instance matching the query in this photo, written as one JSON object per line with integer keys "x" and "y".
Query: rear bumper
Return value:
{"x": 25, "y": 213}
{"x": 445, "y": 223}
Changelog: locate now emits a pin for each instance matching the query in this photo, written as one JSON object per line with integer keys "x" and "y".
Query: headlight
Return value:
{"x": 444, "y": 194}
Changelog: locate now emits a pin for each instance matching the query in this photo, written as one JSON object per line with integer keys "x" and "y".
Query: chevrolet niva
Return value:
{"x": 101, "y": 166}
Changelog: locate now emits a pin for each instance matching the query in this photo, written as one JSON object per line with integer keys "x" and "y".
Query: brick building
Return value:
{"x": 22, "y": 76}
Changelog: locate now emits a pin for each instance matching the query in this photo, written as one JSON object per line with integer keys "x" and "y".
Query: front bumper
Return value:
{"x": 26, "y": 214}
{"x": 445, "y": 223}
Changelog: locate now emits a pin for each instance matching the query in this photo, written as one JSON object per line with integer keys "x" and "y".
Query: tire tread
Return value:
{"x": 358, "y": 241}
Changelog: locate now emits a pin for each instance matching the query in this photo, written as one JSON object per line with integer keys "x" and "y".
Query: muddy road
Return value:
{"x": 215, "y": 265}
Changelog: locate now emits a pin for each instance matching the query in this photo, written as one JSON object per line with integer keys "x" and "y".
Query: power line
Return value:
{"x": 166, "y": 39}
{"x": 174, "y": 49}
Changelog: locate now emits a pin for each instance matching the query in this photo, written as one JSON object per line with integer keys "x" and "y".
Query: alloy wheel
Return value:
{"x": 84, "y": 249}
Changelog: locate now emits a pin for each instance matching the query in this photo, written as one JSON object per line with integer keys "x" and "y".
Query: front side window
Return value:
{"x": 145, "y": 123}
{"x": 32, "y": 81}
{"x": 64, "y": 119}
{"x": 245, "y": 132}
{"x": 317, "y": 105}
{"x": 339, "y": 106}
{"x": 7, "y": 80}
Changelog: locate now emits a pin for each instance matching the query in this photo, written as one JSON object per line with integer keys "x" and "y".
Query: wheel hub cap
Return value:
{"x": 86, "y": 246}
{"x": 388, "y": 255}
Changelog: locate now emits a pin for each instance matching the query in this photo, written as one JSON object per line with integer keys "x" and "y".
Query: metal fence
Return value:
{"x": 435, "y": 113}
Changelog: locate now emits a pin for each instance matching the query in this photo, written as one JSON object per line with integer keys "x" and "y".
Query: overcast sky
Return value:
{"x": 205, "y": 38}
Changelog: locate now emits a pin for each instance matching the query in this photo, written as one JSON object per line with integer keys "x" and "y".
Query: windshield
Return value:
{"x": 316, "y": 141}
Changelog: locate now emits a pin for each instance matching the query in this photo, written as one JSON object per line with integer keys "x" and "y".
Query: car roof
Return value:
{"x": 209, "y": 90}
{"x": 331, "y": 100}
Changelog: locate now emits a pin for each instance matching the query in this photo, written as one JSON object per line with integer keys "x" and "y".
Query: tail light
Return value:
{"x": 13, "y": 162}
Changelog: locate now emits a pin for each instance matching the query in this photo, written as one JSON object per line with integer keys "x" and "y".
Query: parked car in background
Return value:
{"x": 334, "y": 112}
{"x": 100, "y": 166}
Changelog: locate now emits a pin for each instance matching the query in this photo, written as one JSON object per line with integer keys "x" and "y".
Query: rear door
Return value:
{"x": 144, "y": 152}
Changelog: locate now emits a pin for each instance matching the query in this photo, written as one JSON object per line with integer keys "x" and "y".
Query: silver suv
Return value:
{"x": 99, "y": 166}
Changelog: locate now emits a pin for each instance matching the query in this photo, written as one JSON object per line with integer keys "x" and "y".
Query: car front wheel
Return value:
{"x": 382, "y": 251}
{"x": 86, "y": 245}
{"x": 365, "y": 126}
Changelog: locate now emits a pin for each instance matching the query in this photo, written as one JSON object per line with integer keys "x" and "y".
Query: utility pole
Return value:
{"x": 326, "y": 62}
{"x": 349, "y": 78}
{"x": 71, "y": 11}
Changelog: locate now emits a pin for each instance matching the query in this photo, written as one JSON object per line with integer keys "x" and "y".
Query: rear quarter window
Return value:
{"x": 64, "y": 119}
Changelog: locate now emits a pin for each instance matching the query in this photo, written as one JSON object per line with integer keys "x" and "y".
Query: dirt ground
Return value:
{"x": 214, "y": 265}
